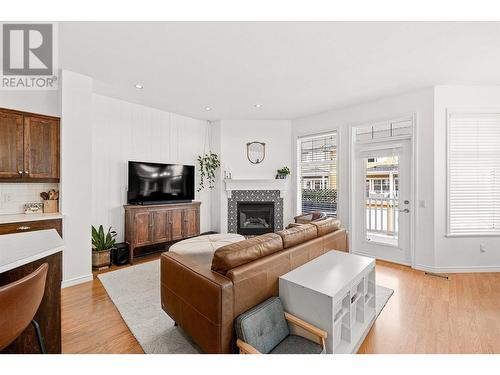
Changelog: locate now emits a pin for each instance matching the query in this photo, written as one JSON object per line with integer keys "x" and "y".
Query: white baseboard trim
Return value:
{"x": 77, "y": 280}
{"x": 457, "y": 269}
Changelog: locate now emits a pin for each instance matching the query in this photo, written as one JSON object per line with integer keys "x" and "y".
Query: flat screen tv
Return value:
{"x": 154, "y": 183}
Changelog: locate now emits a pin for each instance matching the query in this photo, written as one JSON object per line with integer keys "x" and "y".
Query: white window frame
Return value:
{"x": 449, "y": 112}
{"x": 297, "y": 162}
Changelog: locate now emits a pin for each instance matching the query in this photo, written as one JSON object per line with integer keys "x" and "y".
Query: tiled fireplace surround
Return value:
{"x": 254, "y": 196}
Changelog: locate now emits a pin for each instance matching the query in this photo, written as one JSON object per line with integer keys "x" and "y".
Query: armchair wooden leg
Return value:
{"x": 39, "y": 337}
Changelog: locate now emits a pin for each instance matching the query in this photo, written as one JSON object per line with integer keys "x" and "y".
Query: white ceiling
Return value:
{"x": 291, "y": 68}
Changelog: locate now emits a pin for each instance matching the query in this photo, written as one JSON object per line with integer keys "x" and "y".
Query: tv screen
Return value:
{"x": 150, "y": 183}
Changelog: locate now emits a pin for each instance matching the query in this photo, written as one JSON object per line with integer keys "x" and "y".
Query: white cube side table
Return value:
{"x": 335, "y": 292}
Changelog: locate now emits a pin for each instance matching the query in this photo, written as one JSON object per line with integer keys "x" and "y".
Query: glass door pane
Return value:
{"x": 382, "y": 199}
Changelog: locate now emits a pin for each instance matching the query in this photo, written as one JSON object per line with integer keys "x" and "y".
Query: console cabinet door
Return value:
{"x": 143, "y": 226}
{"x": 191, "y": 222}
{"x": 41, "y": 148}
{"x": 161, "y": 232}
{"x": 176, "y": 224}
{"x": 11, "y": 145}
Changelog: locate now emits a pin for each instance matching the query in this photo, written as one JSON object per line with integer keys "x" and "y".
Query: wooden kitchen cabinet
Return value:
{"x": 30, "y": 226}
{"x": 11, "y": 145}
{"x": 160, "y": 223}
{"x": 29, "y": 147}
{"x": 41, "y": 148}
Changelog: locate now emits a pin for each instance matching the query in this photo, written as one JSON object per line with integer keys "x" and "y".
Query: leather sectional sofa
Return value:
{"x": 204, "y": 299}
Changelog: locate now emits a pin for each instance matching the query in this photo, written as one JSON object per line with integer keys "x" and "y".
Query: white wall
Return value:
{"x": 41, "y": 102}
{"x": 229, "y": 140}
{"x": 218, "y": 195}
{"x": 124, "y": 131}
{"x": 76, "y": 176}
{"x": 420, "y": 102}
{"x": 457, "y": 254}
{"x": 235, "y": 134}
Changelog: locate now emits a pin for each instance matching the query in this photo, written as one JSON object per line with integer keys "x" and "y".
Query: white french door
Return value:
{"x": 381, "y": 203}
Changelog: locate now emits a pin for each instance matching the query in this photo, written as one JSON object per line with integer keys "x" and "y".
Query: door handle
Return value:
{"x": 23, "y": 228}
{"x": 405, "y": 211}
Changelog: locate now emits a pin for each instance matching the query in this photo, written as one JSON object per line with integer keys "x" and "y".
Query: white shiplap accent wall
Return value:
{"x": 124, "y": 131}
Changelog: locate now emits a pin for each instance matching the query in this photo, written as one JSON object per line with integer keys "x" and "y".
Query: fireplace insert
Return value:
{"x": 255, "y": 218}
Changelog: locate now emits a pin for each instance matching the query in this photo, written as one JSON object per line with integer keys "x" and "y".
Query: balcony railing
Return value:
{"x": 382, "y": 215}
{"x": 323, "y": 200}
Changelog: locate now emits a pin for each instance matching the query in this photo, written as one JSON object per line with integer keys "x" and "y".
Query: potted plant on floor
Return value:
{"x": 102, "y": 244}
{"x": 283, "y": 173}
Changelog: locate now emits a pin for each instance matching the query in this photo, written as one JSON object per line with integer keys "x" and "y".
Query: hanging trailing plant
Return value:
{"x": 208, "y": 165}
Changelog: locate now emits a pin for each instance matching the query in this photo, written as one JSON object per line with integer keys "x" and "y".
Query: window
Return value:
{"x": 383, "y": 130}
{"x": 474, "y": 173}
{"x": 317, "y": 165}
{"x": 386, "y": 185}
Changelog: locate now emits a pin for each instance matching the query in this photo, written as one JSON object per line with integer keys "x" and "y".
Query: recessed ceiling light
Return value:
{"x": 139, "y": 86}
{"x": 207, "y": 108}
{"x": 257, "y": 105}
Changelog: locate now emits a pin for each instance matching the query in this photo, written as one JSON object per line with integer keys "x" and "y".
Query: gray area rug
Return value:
{"x": 135, "y": 291}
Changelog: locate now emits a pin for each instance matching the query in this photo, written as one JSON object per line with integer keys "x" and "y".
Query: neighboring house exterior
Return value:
{"x": 382, "y": 178}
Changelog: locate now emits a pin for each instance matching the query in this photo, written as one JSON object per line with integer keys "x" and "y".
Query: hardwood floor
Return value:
{"x": 426, "y": 314}
{"x": 429, "y": 314}
{"x": 90, "y": 321}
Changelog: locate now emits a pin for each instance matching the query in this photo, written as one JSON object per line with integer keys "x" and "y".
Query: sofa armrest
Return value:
{"x": 199, "y": 300}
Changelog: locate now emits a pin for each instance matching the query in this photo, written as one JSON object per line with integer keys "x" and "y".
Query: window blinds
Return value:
{"x": 473, "y": 173}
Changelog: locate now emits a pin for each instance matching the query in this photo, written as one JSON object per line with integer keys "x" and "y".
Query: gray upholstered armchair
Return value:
{"x": 309, "y": 217}
{"x": 267, "y": 329}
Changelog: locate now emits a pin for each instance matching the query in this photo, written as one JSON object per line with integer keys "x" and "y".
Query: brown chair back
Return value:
{"x": 19, "y": 302}
{"x": 310, "y": 217}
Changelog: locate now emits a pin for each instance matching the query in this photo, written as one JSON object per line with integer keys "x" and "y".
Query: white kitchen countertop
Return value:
{"x": 19, "y": 249}
{"x": 20, "y": 218}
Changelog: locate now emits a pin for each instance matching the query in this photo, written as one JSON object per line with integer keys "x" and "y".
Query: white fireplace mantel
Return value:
{"x": 257, "y": 184}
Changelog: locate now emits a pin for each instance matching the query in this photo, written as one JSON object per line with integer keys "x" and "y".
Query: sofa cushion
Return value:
{"x": 297, "y": 235}
{"x": 236, "y": 254}
{"x": 326, "y": 226}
